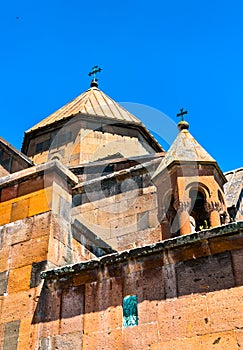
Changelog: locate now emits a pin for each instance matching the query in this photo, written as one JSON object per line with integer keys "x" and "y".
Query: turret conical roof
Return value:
{"x": 184, "y": 149}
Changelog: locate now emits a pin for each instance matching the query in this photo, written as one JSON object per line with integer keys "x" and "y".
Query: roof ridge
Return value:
{"x": 108, "y": 107}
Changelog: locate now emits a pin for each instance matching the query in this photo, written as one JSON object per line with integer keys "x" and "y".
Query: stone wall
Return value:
{"x": 34, "y": 235}
{"x": 82, "y": 141}
{"x": 189, "y": 292}
{"x": 119, "y": 209}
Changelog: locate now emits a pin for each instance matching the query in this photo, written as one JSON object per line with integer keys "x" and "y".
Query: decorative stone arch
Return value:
{"x": 201, "y": 187}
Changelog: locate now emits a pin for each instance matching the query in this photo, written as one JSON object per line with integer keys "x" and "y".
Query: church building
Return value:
{"x": 109, "y": 242}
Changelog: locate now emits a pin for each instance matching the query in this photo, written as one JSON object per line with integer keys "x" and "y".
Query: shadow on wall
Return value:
{"x": 102, "y": 288}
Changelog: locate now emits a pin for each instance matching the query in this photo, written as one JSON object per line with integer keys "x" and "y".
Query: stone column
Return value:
{"x": 213, "y": 208}
{"x": 184, "y": 217}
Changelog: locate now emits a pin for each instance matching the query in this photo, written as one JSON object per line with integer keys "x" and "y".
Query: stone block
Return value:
{"x": 18, "y": 231}
{"x": 30, "y": 185}
{"x": 84, "y": 277}
{"x": 3, "y": 282}
{"x": 19, "y": 279}
{"x": 123, "y": 226}
{"x": 108, "y": 340}
{"x": 183, "y": 317}
{"x": 5, "y": 213}
{"x": 20, "y": 209}
{"x": 41, "y": 225}
{"x": 25, "y": 253}
{"x": 2, "y": 326}
{"x": 25, "y": 340}
{"x": 17, "y": 306}
{"x": 239, "y": 337}
{"x": 2, "y": 237}
{"x": 225, "y": 309}
{"x": 58, "y": 253}
{"x": 4, "y": 259}
{"x": 188, "y": 252}
{"x": 170, "y": 282}
{"x": 36, "y": 270}
{"x": 68, "y": 341}
{"x": 47, "y": 312}
{"x": 72, "y": 310}
{"x": 205, "y": 274}
{"x": 104, "y": 320}
{"x": 237, "y": 262}
{"x": 139, "y": 283}
{"x": 140, "y": 337}
{"x": 8, "y": 193}
{"x": 95, "y": 301}
{"x": 223, "y": 243}
{"x": 11, "y": 334}
{"x": 153, "y": 218}
{"x": 142, "y": 221}
{"x": 40, "y": 202}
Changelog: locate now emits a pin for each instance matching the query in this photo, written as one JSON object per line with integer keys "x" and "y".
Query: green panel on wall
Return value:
{"x": 130, "y": 311}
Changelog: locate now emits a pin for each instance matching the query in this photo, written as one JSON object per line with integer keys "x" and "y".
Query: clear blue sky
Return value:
{"x": 164, "y": 54}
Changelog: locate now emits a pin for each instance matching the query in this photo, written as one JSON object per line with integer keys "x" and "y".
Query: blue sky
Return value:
{"x": 163, "y": 54}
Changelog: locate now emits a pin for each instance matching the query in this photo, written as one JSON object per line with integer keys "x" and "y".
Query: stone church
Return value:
{"x": 108, "y": 242}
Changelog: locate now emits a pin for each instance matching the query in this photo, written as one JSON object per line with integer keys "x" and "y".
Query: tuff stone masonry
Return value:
{"x": 92, "y": 212}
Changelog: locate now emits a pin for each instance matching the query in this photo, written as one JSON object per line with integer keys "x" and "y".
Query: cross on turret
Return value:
{"x": 93, "y": 72}
{"x": 181, "y": 114}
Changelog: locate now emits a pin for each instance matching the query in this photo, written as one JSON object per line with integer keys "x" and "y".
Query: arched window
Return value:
{"x": 197, "y": 210}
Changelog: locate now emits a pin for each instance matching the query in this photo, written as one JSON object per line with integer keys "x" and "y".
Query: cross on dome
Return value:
{"x": 93, "y": 72}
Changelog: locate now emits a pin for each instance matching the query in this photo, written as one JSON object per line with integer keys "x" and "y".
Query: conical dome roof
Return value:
{"x": 184, "y": 149}
{"x": 92, "y": 102}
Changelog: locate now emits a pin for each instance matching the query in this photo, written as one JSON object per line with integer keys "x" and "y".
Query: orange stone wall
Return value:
{"x": 190, "y": 296}
{"x": 34, "y": 236}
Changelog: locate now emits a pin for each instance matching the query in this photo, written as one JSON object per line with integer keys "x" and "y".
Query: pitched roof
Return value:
{"x": 15, "y": 152}
{"x": 184, "y": 149}
{"x": 92, "y": 102}
{"x": 233, "y": 187}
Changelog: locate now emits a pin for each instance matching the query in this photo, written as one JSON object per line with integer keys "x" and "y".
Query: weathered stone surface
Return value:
{"x": 237, "y": 263}
{"x": 34, "y": 250}
{"x": 3, "y": 282}
{"x": 36, "y": 270}
{"x": 72, "y": 310}
{"x": 11, "y": 334}
{"x": 19, "y": 279}
{"x": 19, "y": 305}
{"x": 205, "y": 274}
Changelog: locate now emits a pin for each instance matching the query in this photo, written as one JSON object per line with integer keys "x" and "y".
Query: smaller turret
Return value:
{"x": 190, "y": 187}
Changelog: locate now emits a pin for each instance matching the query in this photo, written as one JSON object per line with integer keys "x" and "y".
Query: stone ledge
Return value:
{"x": 181, "y": 241}
{"x": 34, "y": 171}
{"x": 121, "y": 174}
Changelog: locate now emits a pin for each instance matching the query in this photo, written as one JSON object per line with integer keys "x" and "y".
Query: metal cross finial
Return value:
{"x": 93, "y": 72}
{"x": 182, "y": 114}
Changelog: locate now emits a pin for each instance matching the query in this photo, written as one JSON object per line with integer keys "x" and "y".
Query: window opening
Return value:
{"x": 198, "y": 211}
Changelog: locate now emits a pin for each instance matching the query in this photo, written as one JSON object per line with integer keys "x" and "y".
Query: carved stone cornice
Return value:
{"x": 213, "y": 206}
{"x": 182, "y": 206}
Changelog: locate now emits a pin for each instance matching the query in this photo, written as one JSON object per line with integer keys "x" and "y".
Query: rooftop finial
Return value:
{"x": 94, "y": 82}
{"x": 182, "y": 124}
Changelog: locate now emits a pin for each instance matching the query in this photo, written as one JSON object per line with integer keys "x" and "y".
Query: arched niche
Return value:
{"x": 197, "y": 210}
